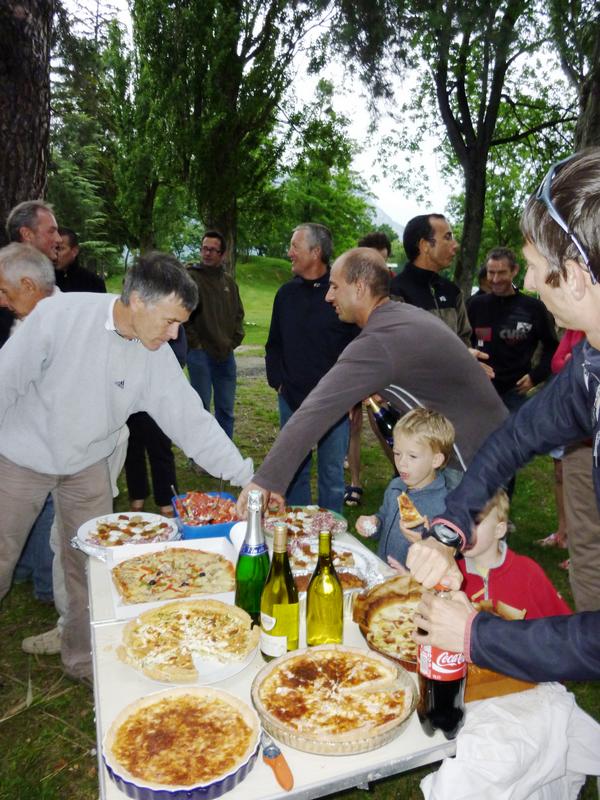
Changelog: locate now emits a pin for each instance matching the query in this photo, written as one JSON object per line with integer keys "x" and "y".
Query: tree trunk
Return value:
{"x": 25, "y": 33}
{"x": 225, "y": 221}
{"x": 147, "y": 232}
{"x": 587, "y": 132}
{"x": 475, "y": 186}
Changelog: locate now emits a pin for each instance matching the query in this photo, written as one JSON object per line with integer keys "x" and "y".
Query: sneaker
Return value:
{"x": 47, "y": 644}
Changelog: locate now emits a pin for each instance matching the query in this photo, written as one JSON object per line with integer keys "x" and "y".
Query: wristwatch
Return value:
{"x": 446, "y": 535}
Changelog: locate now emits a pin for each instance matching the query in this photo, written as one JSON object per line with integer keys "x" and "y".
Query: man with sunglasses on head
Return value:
{"x": 214, "y": 330}
{"x": 561, "y": 225}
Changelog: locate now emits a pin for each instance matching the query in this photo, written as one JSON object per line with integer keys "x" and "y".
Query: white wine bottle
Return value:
{"x": 324, "y": 599}
{"x": 279, "y": 602}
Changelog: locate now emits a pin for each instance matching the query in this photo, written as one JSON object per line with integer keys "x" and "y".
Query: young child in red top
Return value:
{"x": 494, "y": 572}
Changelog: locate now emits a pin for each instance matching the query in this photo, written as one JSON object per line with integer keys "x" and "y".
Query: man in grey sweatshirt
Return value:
{"x": 78, "y": 366}
{"x": 403, "y": 353}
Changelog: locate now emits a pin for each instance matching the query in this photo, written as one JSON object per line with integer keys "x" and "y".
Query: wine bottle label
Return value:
{"x": 441, "y": 665}
{"x": 253, "y": 549}
{"x": 267, "y": 623}
{"x": 273, "y": 645}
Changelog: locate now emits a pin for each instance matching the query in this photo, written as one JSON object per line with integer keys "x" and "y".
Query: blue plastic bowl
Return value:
{"x": 203, "y": 531}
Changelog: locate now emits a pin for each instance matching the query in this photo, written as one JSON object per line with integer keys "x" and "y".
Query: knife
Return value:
{"x": 273, "y": 756}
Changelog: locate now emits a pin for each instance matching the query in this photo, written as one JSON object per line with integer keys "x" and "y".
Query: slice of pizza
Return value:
{"x": 409, "y": 515}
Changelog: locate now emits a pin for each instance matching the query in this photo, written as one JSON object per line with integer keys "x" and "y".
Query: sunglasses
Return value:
{"x": 543, "y": 194}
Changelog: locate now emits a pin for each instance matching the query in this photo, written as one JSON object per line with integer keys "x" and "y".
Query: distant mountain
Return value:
{"x": 382, "y": 218}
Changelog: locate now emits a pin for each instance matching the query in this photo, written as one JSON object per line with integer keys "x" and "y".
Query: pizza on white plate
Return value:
{"x": 175, "y": 572}
{"x": 162, "y": 642}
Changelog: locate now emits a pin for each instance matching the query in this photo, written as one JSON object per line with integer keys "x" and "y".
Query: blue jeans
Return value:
{"x": 209, "y": 376}
{"x": 36, "y": 558}
{"x": 331, "y": 451}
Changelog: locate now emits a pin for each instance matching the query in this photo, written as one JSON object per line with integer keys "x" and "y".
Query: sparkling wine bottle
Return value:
{"x": 385, "y": 418}
{"x": 324, "y": 599}
{"x": 253, "y": 561}
{"x": 279, "y": 602}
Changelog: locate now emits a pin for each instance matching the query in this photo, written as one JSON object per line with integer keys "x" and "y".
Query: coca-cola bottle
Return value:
{"x": 441, "y": 688}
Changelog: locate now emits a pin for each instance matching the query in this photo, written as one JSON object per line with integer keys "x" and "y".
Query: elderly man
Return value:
{"x": 26, "y": 277}
{"x": 560, "y": 225}
{"x": 77, "y": 368}
{"x": 305, "y": 339}
{"x": 403, "y": 353}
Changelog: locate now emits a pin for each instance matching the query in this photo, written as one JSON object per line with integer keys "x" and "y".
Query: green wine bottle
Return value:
{"x": 279, "y": 602}
{"x": 324, "y": 599}
{"x": 253, "y": 561}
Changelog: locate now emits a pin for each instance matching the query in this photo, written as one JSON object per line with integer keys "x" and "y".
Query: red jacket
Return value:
{"x": 520, "y": 582}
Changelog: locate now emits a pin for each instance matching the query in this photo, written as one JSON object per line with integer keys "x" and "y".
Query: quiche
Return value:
{"x": 304, "y": 554}
{"x": 332, "y": 699}
{"x": 385, "y": 615}
{"x": 175, "y": 572}
{"x": 162, "y": 642}
{"x": 181, "y": 738}
{"x": 306, "y": 521}
{"x": 409, "y": 514}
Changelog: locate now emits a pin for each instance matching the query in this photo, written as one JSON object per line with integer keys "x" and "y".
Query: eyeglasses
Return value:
{"x": 543, "y": 194}
{"x": 211, "y": 250}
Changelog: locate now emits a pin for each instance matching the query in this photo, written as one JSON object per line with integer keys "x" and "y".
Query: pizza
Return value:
{"x": 181, "y": 738}
{"x": 162, "y": 642}
{"x": 199, "y": 508}
{"x": 120, "y": 529}
{"x": 306, "y": 521}
{"x": 349, "y": 580}
{"x": 385, "y": 615}
{"x": 409, "y": 516}
{"x": 331, "y": 694}
{"x": 173, "y": 573}
{"x": 304, "y": 554}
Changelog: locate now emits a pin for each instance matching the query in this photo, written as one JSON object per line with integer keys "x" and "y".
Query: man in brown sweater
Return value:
{"x": 214, "y": 330}
{"x": 403, "y": 353}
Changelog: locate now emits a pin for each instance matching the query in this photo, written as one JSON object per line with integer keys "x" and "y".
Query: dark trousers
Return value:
{"x": 146, "y": 437}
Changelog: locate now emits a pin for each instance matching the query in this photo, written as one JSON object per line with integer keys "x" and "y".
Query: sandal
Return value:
{"x": 552, "y": 540}
{"x": 353, "y": 495}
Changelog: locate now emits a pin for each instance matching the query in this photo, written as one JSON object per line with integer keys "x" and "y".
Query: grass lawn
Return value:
{"x": 47, "y": 733}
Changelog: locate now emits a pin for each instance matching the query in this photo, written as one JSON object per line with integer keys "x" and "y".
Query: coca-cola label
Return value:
{"x": 441, "y": 665}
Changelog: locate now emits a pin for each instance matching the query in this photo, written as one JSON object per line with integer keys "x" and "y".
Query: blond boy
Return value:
{"x": 423, "y": 441}
{"x": 495, "y": 573}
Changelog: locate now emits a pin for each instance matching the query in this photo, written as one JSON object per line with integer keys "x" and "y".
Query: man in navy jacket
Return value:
{"x": 562, "y": 247}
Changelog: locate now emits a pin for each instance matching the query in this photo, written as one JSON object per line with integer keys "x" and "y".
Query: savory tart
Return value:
{"x": 162, "y": 642}
{"x": 385, "y": 615}
{"x": 181, "y": 738}
{"x": 349, "y": 580}
{"x": 332, "y": 699}
{"x": 409, "y": 514}
{"x": 172, "y": 573}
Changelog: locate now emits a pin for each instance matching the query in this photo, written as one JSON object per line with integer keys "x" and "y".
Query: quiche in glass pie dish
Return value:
{"x": 333, "y": 700}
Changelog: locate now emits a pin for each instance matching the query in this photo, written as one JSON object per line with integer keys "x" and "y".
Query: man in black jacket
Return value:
{"x": 305, "y": 340}
{"x": 560, "y": 224}
{"x": 70, "y": 275}
{"x": 509, "y": 326}
{"x": 431, "y": 247}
